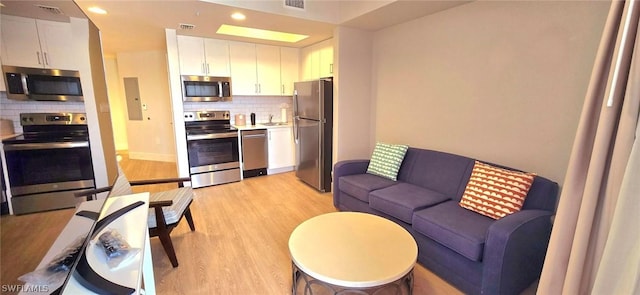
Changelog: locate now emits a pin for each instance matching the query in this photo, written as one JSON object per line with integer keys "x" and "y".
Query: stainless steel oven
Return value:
{"x": 212, "y": 145}
{"x": 49, "y": 162}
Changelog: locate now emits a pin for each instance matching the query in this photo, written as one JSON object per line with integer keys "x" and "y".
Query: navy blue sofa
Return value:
{"x": 476, "y": 254}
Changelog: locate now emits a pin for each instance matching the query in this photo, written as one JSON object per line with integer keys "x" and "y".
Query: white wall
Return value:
{"x": 151, "y": 138}
{"x": 117, "y": 103}
{"x": 353, "y": 132}
{"x": 501, "y": 81}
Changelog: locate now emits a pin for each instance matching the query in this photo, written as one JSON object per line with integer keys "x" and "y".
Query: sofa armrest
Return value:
{"x": 514, "y": 251}
{"x": 349, "y": 167}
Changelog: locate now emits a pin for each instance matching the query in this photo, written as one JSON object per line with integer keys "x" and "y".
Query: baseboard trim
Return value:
{"x": 280, "y": 170}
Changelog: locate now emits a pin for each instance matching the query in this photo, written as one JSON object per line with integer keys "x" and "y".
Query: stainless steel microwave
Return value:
{"x": 206, "y": 88}
{"x": 42, "y": 84}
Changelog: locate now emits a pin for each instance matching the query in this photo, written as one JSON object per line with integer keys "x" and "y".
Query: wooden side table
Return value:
{"x": 350, "y": 251}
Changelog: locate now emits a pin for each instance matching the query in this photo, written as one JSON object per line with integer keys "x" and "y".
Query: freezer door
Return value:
{"x": 308, "y": 153}
{"x": 307, "y": 100}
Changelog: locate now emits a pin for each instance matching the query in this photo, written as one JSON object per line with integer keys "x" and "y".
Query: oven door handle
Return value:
{"x": 45, "y": 146}
{"x": 212, "y": 136}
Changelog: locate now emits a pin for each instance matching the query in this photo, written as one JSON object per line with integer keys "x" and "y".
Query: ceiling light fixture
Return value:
{"x": 238, "y": 16}
{"x": 97, "y": 10}
{"x": 260, "y": 34}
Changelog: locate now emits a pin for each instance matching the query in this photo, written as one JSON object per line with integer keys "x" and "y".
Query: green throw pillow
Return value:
{"x": 386, "y": 160}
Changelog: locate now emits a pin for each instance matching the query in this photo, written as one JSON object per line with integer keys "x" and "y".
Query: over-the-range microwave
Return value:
{"x": 42, "y": 84}
{"x": 206, "y": 88}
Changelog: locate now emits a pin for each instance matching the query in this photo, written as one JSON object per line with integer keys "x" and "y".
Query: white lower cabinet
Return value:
{"x": 281, "y": 149}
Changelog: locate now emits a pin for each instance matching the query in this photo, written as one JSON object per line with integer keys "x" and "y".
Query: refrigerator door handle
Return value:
{"x": 295, "y": 129}
{"x": 295, "y": 116}
{"x": 295, "y": 102}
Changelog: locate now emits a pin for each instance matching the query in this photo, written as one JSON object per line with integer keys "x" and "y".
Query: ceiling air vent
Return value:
{"x": 50, "y": 9}
{"x": 187, "y": 26}
{"x": 294, "y": 3}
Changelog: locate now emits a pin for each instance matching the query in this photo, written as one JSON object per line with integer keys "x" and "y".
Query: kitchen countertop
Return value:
{"x": 260, "y": 126}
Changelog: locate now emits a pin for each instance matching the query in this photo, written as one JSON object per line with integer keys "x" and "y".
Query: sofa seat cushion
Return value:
{"x": 458, "y": 229}
{"x": 402, "y": 199}
{"x": 360, "y": 185}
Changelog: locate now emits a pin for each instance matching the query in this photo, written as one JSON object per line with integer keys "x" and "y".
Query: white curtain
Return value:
{"x": 595, "y": 246}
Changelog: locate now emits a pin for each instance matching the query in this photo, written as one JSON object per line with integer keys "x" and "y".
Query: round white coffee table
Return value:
{"x": 343, "y": 251}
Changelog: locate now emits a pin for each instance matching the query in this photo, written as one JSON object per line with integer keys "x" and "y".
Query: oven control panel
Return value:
{"x": 206, "y": 116}
{"x": 27, "y": 119}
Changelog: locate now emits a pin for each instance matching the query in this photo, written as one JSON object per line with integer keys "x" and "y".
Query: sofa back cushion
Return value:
{"x": 448, "y": 174}
{"x": 496, "y": 192}
{"x": 439, "y": 171}
{"x": 543, "y": 195}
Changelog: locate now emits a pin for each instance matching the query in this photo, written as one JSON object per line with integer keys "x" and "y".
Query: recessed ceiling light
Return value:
{"x": 260, "y": 34}
{"x": 97, "y": 10}
{"x": 238, "y": 16}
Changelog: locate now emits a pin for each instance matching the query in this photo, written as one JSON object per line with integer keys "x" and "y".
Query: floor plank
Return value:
{"x": 239, "y": 246}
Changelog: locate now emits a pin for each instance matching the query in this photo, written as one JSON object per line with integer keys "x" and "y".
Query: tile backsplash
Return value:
{"x": 11, "y": 109}
{"x": 263, "y": 106}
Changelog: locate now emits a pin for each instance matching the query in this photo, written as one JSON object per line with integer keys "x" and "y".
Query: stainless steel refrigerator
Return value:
{"x": 313, "y": 132}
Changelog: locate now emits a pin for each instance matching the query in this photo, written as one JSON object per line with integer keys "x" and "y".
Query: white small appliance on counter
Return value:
{"x": 240, "y": 120}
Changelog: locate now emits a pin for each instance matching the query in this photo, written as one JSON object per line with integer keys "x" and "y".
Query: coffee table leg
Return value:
{"x": 309, "y": 282}
{"x": 409, "y": 282}
{"x": 296, "y": 276}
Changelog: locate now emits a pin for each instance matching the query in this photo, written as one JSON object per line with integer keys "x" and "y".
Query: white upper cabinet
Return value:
{"x": 203, "y": 57}
{"x": 255, "y": 69}
{"x": 317, "y": 60}
{"x": 326, "y": 59}
{"x": 36, "y": 43}
{"x": 217, "y": 57}
{"x": 288, "y": 69}
{"x": 243, "y": 68}
{"x": 268, "y": 70}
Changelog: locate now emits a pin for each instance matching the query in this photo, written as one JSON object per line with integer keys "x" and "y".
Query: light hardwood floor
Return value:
{"x": 239, "y": 246}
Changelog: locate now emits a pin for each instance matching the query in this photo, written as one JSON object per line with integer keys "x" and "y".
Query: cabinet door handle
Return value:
{"x": 208, "y": 70}
{"x": 331, "y": 68}
{"x": 282, "y": 88}
{"x": 38, "y": 54}
{"x": 202, "y": 69}
{"x": 46, "y": 59}
{"x": 259, "y": 88}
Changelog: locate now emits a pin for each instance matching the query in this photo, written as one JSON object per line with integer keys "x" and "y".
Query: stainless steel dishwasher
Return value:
{"x": 254, "y": 152}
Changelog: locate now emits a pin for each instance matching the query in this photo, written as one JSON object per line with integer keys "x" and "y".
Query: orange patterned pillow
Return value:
{"x": 496, "y": 192}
